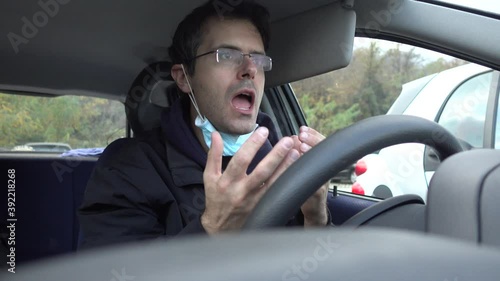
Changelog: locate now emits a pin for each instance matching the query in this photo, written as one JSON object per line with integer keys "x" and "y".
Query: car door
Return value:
{"x": 469, "y": 113}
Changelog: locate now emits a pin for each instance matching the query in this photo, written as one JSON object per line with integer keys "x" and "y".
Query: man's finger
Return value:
{"x": 238, "y": 165}
{"x": 310, "y": 136}
{"x": 267, "y": 166}
{"x": 214, "y": 157}
{"x": 292, "y": 156}
{"x": 296, "y": 142}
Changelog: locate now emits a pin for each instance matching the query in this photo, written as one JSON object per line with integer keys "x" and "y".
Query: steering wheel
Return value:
{"x": 336, "y": 152}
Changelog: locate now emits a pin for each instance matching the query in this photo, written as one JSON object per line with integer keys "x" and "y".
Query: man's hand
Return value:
{"x": 232, "y": 195}
{"x": 315, "y": 208}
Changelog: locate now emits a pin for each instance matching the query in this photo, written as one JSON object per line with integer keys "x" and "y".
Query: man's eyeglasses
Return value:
{"x": 235, "y": 58}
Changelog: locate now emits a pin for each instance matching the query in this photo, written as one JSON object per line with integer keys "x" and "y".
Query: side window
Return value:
{"x": 465, "y": 111}
{"x": 391, "y": 78}
{"x": 58, "y": 124}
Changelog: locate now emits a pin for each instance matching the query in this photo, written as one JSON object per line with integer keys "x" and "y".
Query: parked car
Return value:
{"x": 53, "y": 147}
{"x": 22, "y": 148}
{"x": 463, "y": 100}
{"x": 345, "y": 178}
{"x": 49, "y": 146}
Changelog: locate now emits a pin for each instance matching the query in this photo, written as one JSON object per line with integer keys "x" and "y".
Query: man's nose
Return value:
{"x": 248, "y": 69}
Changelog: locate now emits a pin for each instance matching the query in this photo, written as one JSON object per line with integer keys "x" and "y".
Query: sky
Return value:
{"x": 426, "y": 55}
{"x": 484, "y": 5}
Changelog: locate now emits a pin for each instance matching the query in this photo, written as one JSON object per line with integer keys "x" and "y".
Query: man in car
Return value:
{"x": 215, "y": 154}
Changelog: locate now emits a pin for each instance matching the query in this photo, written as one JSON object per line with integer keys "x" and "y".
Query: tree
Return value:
{"x": 370, "y": 96}
{"x": 367, "y": 87}
{"x": 319, "y": 114}
{"x": 398, "y": 67}
{"x": 440, "y": 65}
{"x": 78, "y": 121}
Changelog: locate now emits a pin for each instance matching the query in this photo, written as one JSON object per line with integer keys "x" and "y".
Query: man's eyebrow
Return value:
{"x": 229, "y": 46}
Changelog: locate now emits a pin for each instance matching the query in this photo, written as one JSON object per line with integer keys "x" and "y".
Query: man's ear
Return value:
{"x": 179, "y": 77}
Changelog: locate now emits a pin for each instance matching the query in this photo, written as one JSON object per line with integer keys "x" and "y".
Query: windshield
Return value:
{"x": 489, "y": 6}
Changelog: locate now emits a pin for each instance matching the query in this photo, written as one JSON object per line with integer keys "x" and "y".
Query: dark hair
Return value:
{"x": 188, "y": 36}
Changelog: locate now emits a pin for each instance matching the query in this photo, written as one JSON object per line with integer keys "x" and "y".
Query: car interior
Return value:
{"x": 117, "y": 50}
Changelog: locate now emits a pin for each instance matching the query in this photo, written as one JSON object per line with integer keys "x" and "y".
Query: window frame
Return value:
{"x": 487, "y": 143}
{"x": 492, "y": 112}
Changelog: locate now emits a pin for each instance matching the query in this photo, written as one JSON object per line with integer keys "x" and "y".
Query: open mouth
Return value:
{"x": 244, "y": 100}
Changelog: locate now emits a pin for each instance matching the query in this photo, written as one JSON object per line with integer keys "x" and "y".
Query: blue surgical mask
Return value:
{"x": 232, "y": 143}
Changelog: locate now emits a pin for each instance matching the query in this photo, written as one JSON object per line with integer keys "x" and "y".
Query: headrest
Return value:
{"x": 464, "y": 195}
{"x": 151, "y": 92}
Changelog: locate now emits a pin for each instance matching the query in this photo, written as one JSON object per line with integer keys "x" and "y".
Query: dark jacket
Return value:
{"x": 152, "y": 186}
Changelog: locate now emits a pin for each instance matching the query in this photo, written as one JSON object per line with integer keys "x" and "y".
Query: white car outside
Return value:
{"x": 400, "y": 169}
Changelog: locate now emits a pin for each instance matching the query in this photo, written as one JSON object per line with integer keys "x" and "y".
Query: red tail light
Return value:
{"x": 360, "y": 168}
{"x": 358, "y": 189}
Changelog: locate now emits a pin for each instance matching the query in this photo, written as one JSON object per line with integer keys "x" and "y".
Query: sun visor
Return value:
{"x": 311, "y": 43}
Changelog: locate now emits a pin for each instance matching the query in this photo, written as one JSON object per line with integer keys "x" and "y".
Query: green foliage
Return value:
{"x": 439, "y": 65}
{"x": 77, "y": 121}
{"x": 371, "y": 95}
{"x": 367, "y": 87}
{"x": 319, "y": 114}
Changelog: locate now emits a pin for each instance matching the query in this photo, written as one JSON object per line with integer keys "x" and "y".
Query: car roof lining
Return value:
{"x": 98, "y": 49}
{"x": 442, "y": 28}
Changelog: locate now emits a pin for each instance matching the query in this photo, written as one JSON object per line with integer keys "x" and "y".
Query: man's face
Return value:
{"x": 229, "y": 95}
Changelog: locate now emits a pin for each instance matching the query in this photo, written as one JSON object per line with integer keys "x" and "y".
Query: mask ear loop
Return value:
{"x": 191, "y": 95}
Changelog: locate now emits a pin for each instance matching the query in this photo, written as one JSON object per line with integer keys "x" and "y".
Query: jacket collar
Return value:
{"x": 185, "y": 155}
